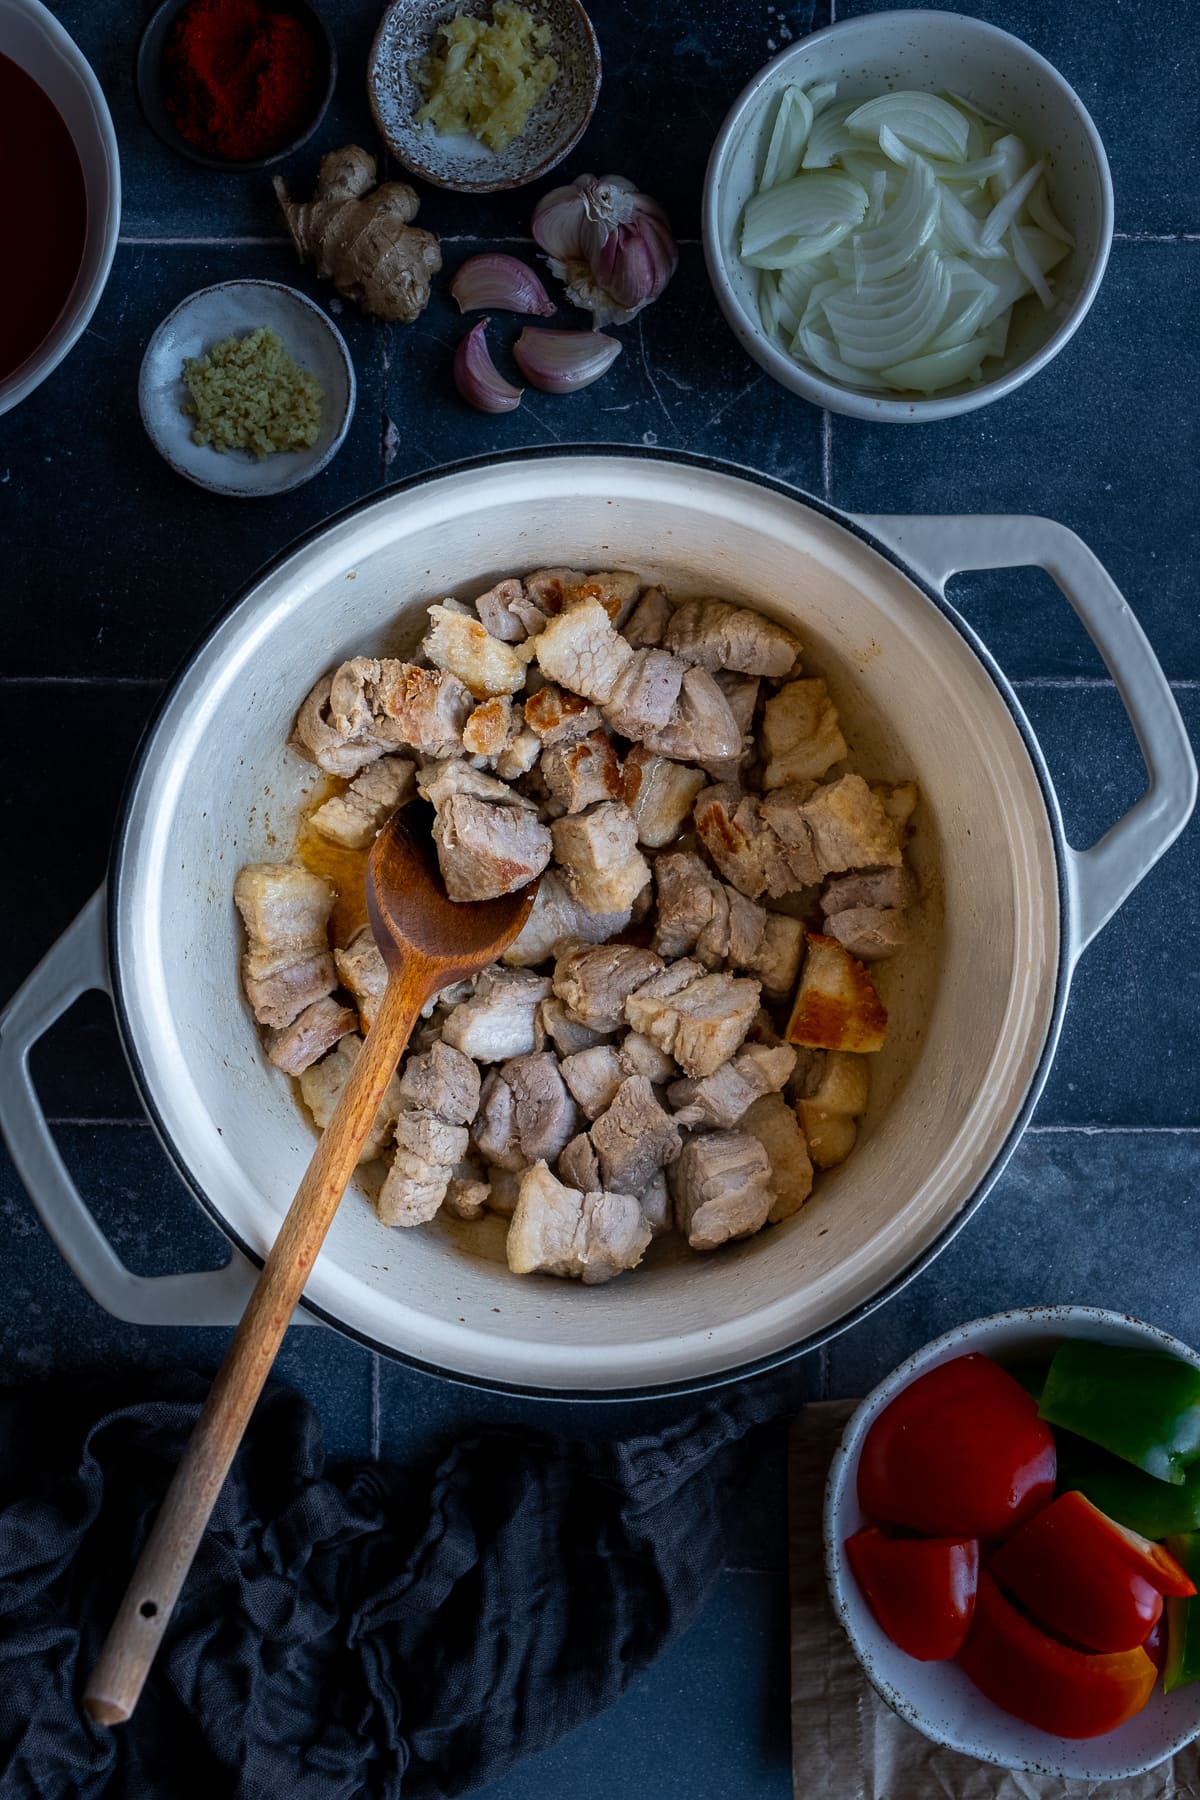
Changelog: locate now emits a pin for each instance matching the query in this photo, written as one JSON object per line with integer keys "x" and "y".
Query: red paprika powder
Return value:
{"x": 242, "y": 78}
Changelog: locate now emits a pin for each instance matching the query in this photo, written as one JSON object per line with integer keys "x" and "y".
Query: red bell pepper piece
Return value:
{"x": 1072, "y": 1693}
{"x": 1155, "y": 1645}
{"x": 921, "y": 1590}
{"x": 1086, "y": 1577}
{"x": 961, "y": 1452}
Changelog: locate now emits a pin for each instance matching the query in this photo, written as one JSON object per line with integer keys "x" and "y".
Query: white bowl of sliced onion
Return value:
{"x": 907, "y": 215}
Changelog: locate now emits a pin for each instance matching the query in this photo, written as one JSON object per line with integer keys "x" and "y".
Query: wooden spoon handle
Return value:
{"x": 131, "y": 1645}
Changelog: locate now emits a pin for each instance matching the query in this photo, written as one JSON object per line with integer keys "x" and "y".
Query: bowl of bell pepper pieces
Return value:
{"x": 1012, "y": 1540}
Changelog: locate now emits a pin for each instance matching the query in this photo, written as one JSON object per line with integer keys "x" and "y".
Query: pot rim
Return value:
{"x": 775, "y": 1359}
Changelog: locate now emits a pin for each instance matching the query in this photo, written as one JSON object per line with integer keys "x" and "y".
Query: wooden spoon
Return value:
{"x": 427, "y": 941}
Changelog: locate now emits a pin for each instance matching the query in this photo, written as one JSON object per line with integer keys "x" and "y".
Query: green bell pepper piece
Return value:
{"x": 1155, "y": 1508}
{"x": 1142, "y": 1405}
{"x": 1182, "y": 1663}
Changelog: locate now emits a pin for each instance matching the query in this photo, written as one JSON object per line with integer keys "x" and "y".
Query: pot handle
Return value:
{"x": 1100, "y": 879}
{"x": 77, "y": 963}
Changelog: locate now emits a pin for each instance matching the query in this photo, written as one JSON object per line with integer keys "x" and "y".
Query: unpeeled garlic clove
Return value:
{"x": 495, "y": 280}
{"x": 478, "y": 379}
{"x": 610, "y": 244}
{"x": 560, "y": 362}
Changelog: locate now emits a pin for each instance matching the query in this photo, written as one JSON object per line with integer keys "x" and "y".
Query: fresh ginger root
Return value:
{"x": 363, "y": 241}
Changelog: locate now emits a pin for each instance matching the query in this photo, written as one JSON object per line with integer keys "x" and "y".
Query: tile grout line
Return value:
{"x": 133, "y": 241}
{"x": 827, "y": 454}
{"x": 376, "y": 1430}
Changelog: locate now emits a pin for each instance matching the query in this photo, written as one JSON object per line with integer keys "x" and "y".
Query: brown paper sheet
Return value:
{"x": 847, "y": 1744}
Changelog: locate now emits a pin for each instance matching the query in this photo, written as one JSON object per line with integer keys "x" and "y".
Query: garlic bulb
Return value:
{"x": 610, "y": 245}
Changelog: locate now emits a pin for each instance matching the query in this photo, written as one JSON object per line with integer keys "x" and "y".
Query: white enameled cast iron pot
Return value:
{"x": 976, "y": 1004}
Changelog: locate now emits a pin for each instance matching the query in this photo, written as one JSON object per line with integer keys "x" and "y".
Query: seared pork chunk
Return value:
{"x": 321, "y": 1087}
{"x": 521, "y": 749}
{"x": 655, "y": 1201}
{"x": 557, "y": 1230}
{"x": 773, "y": 1122}
{"x": 647, "y": 623}
{"x": 318, "y": 740}
{"x": 490, "y": 728}
{"x": 702, "y": 728}
{"x": 439, "y": 1093}
{"x": 582, "y": 651}
{"x": 699, "y": 915}
{"x": 485, "y": 850}
{"x": 721, "y": 1098}
{"x": 503, "y": 1189}
{"x": 869, "y": 932}
{"x": 800, "y": 734}
{"x": 444, "y": 1081}
{"x": 741, "y": 692}
{"x": 641, "y": 1057}
{"x": 645, "y": 694}
{"x": 634, "y": 1137}
{"x": 355, "y": 817}
{"x": 721, "y": 1185}
{"x": 836, "y": 1006}
{"x": 466, "y": 1197}
{"x": 730, "y": 828}
{"x": 556, "y": 918}
{"x": 445, "y": 777}
{"x": 425, "y": 708}
{"x": 899, "y": 803}
{"x": 659, "y": 793}
{"x": 525, "y": 1112}
{"x": 720, "y": 636}
{"x": 578, "y": 775}
{"x": 361, "y": 968}
{"x": 498, "y": 611}
{"x": 849, "y": 827}
{"x": 593, "y": 981}
{"x": 298, "y": 1045}
{"x": 834, "y": 1097}
{"x": 567, "y": 1035}
{"x": 893, "y": 887}
{"x": 697, "y": 1018}
{"x": 578, "y": 1166}
{"x": 556, "y": 590}
{"x": 597, "y": 852}
{"x": 286, "y": 965}
{"x": 499, "y": 1020}
{"x": 558, "y": 717}
{"x": 459, "y": 643}
{"x": 594, "y": 1076}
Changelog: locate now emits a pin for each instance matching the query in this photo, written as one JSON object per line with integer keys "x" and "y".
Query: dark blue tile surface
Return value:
{"x": 1100, "y": 1197}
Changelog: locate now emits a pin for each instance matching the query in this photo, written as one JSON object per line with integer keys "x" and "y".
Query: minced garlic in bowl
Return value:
{"x": 486, "y": 75}
{"x": 247, "y": 393}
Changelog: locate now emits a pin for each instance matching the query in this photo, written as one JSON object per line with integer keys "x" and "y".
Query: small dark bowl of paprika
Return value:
{"x": 235, "y": 84}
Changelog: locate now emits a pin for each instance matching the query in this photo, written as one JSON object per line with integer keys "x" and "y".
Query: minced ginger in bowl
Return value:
{"x": 486, "y": 76}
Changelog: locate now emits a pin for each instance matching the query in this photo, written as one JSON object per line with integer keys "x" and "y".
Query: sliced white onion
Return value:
{"x": 807, "y": 206}
{"x": 829, "y": 136}
{"x": 561, "y": 362}
{"x": 1005, "y": 211}
{"x": 939, "y": 369}
{"x": 820, "y": 351}
{"x": 961, "y": 231}
{"x": 1047, "y": 251}
{"x": 920, "y": 121}
{"x": 905, "y": 228}
{"x": 1027, "y": 262}
{"x": 1044, "y": 216}
{"x": 768, "y": 300}
{"x": 962, "y": 320}
{"x": 789, "y": 251}
{"x": 820, "y": 94}
{"x": 892, "y": 321}
{"x": 994, "y": 335}
{"x": 793, "y": 122}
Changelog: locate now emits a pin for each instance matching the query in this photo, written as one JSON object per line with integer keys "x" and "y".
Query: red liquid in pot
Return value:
{"x": 44, "y": 212}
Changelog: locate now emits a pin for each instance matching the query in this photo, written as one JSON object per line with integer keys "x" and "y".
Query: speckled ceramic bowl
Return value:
{"x": 459, "y": 161}
{"x": 937, "y": 1697}
{"x": 232, "y": 309}
{"x": 937, "y": 52}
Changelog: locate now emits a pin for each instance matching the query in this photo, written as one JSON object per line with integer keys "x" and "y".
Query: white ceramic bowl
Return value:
{"x": 37, "y": 43}
{"x": 937, "y": 1697}
{"x": 231, "y": 309}
{"x": 933, "y": 51}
